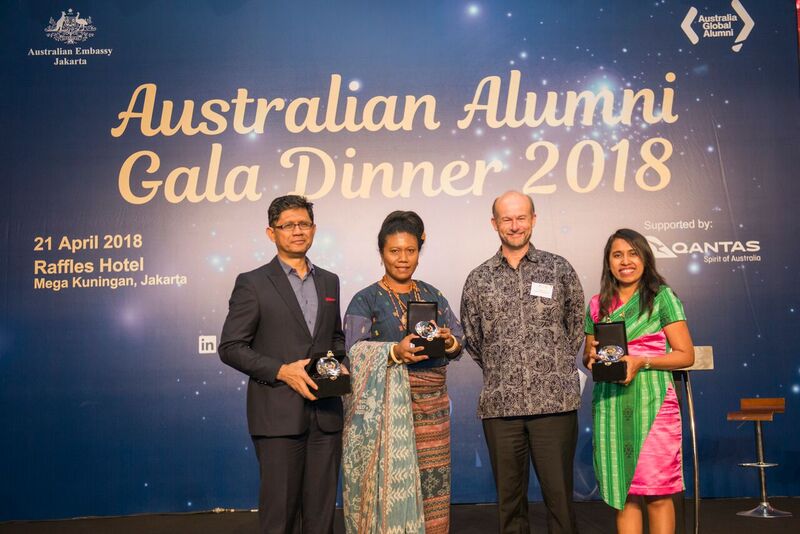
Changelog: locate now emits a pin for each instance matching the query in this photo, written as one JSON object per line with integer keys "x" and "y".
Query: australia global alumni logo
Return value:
{"x": 737, "y": 24}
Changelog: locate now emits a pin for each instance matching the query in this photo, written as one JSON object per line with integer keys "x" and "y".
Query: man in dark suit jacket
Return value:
{"x": 279, "y": 315}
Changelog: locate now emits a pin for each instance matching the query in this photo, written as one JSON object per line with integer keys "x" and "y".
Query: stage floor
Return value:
{"x": 717, "y": 516}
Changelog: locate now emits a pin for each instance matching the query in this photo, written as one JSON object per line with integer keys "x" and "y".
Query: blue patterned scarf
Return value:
{"x": 381, "y": 478}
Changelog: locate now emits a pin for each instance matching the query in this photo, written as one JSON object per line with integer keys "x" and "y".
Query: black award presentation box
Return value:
{"x": 421, "y": 318}
{"x": 613, "y": 342}
{"x": 325, "y": 370}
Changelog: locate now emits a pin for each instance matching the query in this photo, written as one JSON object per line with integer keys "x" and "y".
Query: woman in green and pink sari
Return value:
{"x": 637, "y": 423}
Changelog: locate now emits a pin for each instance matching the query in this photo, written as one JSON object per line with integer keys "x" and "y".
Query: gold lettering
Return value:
{"x": 455, "y": 170}
{"x": 387, "y": 120}
{"x": 590, "y": 101}
{"x": 183, "y": 183}
{"x": 669, "y": 97}
{"x": 629, "y": 100}
{"x": 189, "y": 191}
{"x": 490, "y": 107}
{"x": 333, "y": 104}
{"x": 145, "y": 116}
{"x": 183, "y": 125}
{"x": 412, "y": 106}
{"x": 511, "y": 101}
{"x": 262, "y": 110}
{"x": 410, "y": 172}
{"x": 347, "y": 177}
{"x": 303, "y": 165}
{"x": 216, "y": 118}
{"x": 239, "y": 108}
{"x": 125, "y": 177}
{"x": 582, "y": 106}
{"x": 309, "y": 121}
{"x": 481, "y": 171}
{"x": 250, "y": 189}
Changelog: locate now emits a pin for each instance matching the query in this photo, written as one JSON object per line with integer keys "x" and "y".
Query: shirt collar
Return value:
{"x": 498, "y": 260}
{"x": 291, "y": 270}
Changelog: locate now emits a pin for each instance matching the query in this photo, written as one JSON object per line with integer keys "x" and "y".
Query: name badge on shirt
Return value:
{"x": 541, "y": 290}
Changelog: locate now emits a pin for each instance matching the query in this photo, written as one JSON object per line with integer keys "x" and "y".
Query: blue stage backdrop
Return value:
{"x": 143, "y": 142}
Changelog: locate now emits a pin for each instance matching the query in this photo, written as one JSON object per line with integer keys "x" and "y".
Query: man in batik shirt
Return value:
{"x": 522, "y": 313}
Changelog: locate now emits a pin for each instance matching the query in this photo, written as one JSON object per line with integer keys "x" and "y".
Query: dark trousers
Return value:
{"x": 548, "y": 440}
{"x": 299, "y": 475}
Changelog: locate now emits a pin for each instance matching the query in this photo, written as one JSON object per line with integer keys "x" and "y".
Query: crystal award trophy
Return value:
{"x": 612, "y": 345}
{"x": 325, "y": 369}
{"x": 421, "y": 320}
{"x": 427, "y": 330}
{"x": 329, "y": 367}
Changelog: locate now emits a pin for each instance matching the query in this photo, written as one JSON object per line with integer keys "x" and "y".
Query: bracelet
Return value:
{"x": 646, "y": 363}
{"x": 392, "y": 356}
{"x": 454, "y": 348}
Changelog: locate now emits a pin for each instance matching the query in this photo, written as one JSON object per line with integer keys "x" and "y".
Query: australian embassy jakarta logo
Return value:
{"x": 70, "y": 29}
{"x": 737, "y": 24}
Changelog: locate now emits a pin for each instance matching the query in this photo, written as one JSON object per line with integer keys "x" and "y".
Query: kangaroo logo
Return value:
{"x": 70, "y": 28}
{"x": 660, "y": 250}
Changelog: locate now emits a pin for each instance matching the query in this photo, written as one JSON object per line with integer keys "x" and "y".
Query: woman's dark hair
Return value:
{"x": 402, "y": 222}
{"x": 288, "y": 202}
{"x": 650, "y": 282}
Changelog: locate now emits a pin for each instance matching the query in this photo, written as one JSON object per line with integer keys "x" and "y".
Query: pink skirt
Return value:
{"x": 660, "y": 467}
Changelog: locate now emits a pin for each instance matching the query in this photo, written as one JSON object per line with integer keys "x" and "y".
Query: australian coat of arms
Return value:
{"x": 70, "y": 28}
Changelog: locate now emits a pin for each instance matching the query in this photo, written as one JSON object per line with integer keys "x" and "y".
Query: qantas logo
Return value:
{"x": 662, "y": 250}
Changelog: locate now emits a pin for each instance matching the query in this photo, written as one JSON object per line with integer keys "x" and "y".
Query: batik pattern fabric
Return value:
{"x": 525, "y": 340}
{"x": 381, "y": 482}
{"x": 637, "y": 428}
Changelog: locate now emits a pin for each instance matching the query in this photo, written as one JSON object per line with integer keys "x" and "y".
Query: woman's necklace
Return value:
{"x": 400, "y": 307}
{"x": 621, "y": 314}
{"x": 622, "y": 303}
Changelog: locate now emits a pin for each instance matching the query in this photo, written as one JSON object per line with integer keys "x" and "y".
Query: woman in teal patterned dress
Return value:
{"x": 397, "y": 421}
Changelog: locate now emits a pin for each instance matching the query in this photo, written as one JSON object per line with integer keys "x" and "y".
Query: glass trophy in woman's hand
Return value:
{"x": 612, "y": 340}
{"x": 427, "y": 330}
{"x": 611, "y": 353}
{"x": 421, "y": 321}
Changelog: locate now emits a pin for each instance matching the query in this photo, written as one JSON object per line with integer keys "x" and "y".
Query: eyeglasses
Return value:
{"x": 305, "y": 226}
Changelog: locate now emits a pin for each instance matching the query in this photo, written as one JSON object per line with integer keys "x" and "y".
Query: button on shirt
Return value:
{"x": 525, "y": 341}
{"x": 306, "y": 292}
